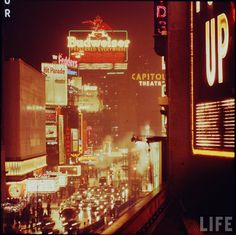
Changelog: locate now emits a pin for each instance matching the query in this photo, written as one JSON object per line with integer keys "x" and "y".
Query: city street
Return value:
{"x": 118, "y": 117}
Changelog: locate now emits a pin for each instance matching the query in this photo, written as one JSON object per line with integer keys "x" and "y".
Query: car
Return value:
{"x": 68, "y": 213}
{"x": 118, "y": 202}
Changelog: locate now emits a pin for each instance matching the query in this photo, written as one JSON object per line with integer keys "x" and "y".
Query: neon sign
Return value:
{"x": 99, "y": 49}
{"x": 67, "y": 61}
{"x": 149, "y": 79}
{"x": 98, "y": 44}
{"x": 222, "y": 46}
{"x": 160, "y": 27}
{"x": 212, "y": 78}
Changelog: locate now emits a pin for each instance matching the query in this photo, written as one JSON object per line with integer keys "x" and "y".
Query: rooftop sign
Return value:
{"x": 99, "y": 48}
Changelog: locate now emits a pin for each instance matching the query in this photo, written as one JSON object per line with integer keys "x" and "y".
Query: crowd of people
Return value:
{"x": 20, "y": 214}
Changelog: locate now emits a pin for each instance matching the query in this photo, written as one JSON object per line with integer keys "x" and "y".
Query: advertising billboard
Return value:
{"x": 51, "y": 116}
{"x": 68, "y": 142}
{"x": 42, "y": 185}
{"x": 99, "y": 49}
{"x": 70, "y": 170}
{"x": 51, "y": 131}
{"x": 212, "y": 78}
{"x": 56, "y": 83}
{"x": 75, "y": 84}
{"x": 61, "y": 139}
{"x": 75, "y": 137}
{"x": 89, "y": 104}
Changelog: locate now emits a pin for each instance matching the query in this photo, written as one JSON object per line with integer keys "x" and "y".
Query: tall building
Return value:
{"x": 23, "y": 137}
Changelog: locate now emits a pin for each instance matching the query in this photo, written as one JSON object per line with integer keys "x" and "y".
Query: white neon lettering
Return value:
{"x": 210, "y": 57}
{"x": 95, "y": 43}
{"x": 223, "y": 40}
{"x": 103, "y": 43}
{"x": 73, "y": 42}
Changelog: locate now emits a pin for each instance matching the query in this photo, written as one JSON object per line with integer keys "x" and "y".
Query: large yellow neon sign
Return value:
{"x": 216, "y": 49}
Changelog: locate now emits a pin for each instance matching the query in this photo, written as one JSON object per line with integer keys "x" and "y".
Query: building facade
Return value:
{"x": 23, "y": 137}
{"x": 201, "y": 104}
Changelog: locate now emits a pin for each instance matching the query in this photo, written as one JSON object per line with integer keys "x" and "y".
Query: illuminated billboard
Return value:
{"x": 50, "y": 116}
{"x": 51, "y": 131}
{"x": 70, "y": 170}
{"x": 89, "y": 99}
{"x": 51, "y": 126}
{"x": 90, "y": 104}
{"x": 42, "y": 185}
{"x": 56, "y": 83}
{"x": 99, "y": 49}
{"x": 74, "y": 139}
{"x": 212, "y": 78}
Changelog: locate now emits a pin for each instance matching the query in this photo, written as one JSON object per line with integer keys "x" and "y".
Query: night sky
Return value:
{"x": 38, "y": 29}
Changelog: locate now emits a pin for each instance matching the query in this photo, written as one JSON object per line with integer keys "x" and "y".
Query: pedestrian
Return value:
{"x": 17, "y": 217}
{"x": 49, "y": 208}
{"x": 41, "y": 212}
{"x": 28, "y": 215}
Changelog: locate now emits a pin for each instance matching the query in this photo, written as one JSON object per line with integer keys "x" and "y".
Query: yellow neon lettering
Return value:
{"x": 210, "y": 57}
{"x": 223, "y": 40}
{"x": 144, "y": 76}
{"x": 197, "y": 6}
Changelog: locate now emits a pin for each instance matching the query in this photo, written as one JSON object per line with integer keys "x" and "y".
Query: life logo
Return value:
{"x": 7, "y": 11}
